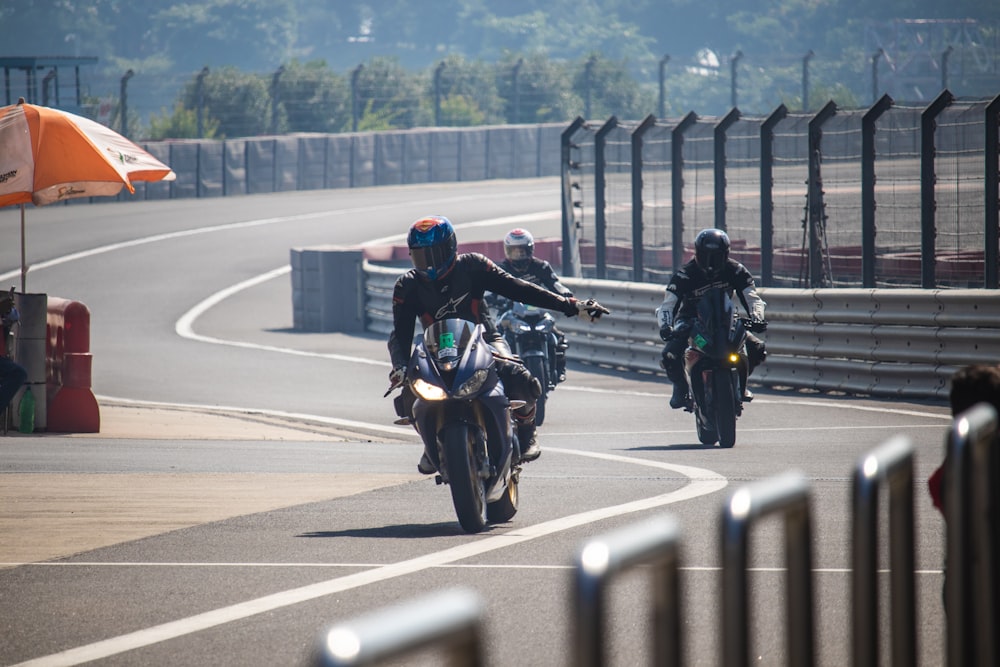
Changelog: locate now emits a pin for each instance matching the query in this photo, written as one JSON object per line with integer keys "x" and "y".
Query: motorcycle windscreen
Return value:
{"x": 446, "y": 341}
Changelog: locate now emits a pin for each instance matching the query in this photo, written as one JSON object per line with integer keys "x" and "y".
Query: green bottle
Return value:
{"x": 27, "y": 413}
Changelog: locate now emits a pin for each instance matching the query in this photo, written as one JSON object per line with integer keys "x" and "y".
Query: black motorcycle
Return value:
{"x": 529, "y": 332}
{"x": 715, "y": 363}
{"x": 465, "y": 420}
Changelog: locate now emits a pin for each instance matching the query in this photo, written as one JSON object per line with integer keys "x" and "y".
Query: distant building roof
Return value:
{"x": 30, "y": 64}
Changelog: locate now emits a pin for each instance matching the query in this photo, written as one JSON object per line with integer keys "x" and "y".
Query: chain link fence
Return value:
{"x": 891, "y": 196}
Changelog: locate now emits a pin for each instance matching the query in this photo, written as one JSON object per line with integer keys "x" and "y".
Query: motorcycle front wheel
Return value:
{"x": 468, "y": 489}
{"x": 504, "y": 509}
{"x": 725, "y": 407}
{"x": 536, "y": 366}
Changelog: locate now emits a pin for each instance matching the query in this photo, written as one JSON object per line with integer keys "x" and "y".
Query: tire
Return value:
{"x": 707, "y": 435}
{"x": 503, "y": 510}
{"x": 468, "y": 489}
{"x": 725, "y": 407}
{"x": 536, "y": 366}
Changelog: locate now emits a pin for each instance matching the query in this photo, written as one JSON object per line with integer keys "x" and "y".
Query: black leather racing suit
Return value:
{"x": 680, "y": 307}
{"x": 459, "y": 293}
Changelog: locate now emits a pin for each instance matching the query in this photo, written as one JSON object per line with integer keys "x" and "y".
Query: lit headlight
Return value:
{"x": 428, "y": 391}
{"x": 473, "y": 384}
{"x": 523, "y": 328}
{"x": 734, "y": 358}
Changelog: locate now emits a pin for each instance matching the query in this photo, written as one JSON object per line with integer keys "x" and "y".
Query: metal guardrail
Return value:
{"x": 971, "y": 504}
{"x": 882, "y": 342}
{"x": 786, "y": 494}
{"x": 449, "y": 622}
{"x": 889, "y": 465}
{"x": 655, "y": 543}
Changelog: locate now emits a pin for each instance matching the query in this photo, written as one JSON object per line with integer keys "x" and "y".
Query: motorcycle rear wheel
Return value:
{"x": 536, "y": 366}
{"x": 468, "y": 489}
{"x": 725, "y": 407}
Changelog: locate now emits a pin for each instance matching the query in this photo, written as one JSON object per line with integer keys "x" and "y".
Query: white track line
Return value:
{"x": 702, "y": 482}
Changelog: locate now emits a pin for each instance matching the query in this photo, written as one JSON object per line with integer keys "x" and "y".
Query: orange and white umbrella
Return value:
{"x": 48, "y": 155}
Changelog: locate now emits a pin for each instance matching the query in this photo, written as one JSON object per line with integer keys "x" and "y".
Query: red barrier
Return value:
{"x": 72, "y": 407}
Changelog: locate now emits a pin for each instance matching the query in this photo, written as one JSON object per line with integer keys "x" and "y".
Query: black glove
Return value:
{"x": 570, "y": 309}
{"x": 757, "y": 326}
{"x": 666, "y": 332}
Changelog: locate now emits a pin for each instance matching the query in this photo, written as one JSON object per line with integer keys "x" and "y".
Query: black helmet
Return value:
{"x": 711, "y": 251}
{"x": 433, "y": 246}
{"x": 519, "y": 248}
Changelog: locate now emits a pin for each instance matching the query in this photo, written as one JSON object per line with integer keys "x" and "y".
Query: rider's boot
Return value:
{"x": 530, "y": 450}
{"x": 680, "y": 396}
{"x": 561, "y": 366}
{"x": 426, "y": 466}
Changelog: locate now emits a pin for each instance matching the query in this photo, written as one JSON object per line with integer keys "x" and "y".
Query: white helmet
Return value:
{"x": 519, "y": 248}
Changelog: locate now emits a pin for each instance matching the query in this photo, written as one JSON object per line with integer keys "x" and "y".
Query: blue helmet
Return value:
{"x": 433, "y": 246}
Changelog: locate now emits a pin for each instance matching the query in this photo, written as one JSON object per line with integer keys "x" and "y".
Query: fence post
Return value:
{"x": 992, "y": 182}
{"x": 719, "y": 147}
{"x": 677, "y": 186}
{"x": 892, "y": 465}
{"x": 971, "y": 499}
{"x": 662, "y": 106}
{"x": 787, "y": 494}
{"x": 600, "y": 201}
{"x": 805, "y": 80}
{"x": 868, "y": 189}
{"x": 355, "y": 97}
{"x": 638, "y": 246}
{"x": 451, "y": 621}
{"x": 200, "y": 95}
{"x": 654, "y": 543}
{"x": 817, "y": 207}
{"x": 766, "y": 194}
{"x": 570, "y": 241}
{"x": 928, "y": 223}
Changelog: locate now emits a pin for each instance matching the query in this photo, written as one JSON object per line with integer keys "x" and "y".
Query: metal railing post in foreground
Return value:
{"x": 970, "y": 493}
{"x": 787, "y": 494}
{"x": 655, "y": 543}
{"x": 450, "y": 621}
{"x": 892, "y": 465}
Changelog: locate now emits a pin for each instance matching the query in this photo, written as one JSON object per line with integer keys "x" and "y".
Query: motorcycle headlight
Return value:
{"x": 734, "y": 358}
{"x": 523, "y": 328}
{"x": 428, "y": 391}
{"x": 473, "y": 384}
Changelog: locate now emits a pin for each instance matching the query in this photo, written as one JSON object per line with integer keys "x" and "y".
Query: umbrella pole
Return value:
{"x": 24, "y": 264}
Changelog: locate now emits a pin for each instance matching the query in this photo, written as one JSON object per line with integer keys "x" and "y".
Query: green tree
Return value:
{"x": 388, "y": 92}
{"x": 180, "y": 124}
{"x": 240, "y": 102}
{"x": 313, "y": 99}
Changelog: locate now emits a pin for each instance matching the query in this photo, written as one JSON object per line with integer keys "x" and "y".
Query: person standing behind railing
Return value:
{"x": 970, "y": 385}
{"x": 12, "y": 374}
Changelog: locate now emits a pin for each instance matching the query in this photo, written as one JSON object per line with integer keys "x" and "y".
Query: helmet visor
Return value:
{"x": 431, "y": 259}
{"x": 517, "y": 253}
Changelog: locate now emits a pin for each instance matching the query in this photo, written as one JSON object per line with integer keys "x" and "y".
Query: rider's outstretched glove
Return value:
{"x": 757, "y": 325}
{"x": 397, "y": 376}
{"x": 666, "y": 332}
{"x": 574, "y": 307}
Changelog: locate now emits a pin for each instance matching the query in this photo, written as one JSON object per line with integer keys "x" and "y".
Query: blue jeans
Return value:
{"x": 12, "y": 376}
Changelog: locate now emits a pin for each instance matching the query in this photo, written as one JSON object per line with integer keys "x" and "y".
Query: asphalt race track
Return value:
{"x": 248, "y": 487}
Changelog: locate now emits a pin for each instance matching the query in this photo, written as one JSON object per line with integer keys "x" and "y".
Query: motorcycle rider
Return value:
{"x": 520, "y": 262}
{"x": 442, "y": 284}
{"x": 711, "y": 267}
